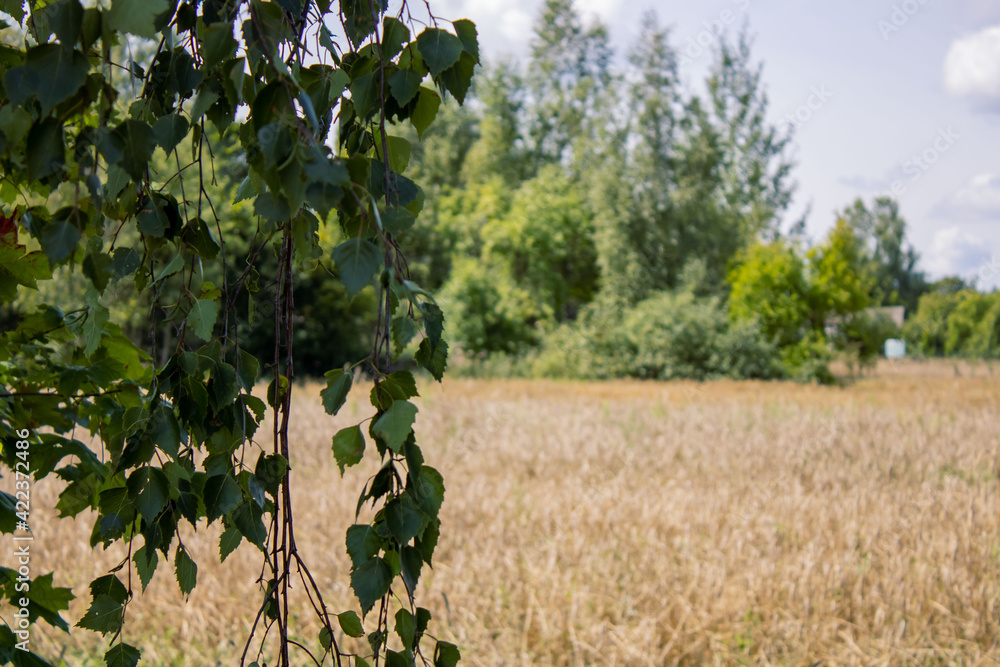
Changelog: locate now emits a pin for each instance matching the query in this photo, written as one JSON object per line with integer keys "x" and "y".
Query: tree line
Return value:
{"x": 593, "y": 220}
{"x": 593, "y": 216}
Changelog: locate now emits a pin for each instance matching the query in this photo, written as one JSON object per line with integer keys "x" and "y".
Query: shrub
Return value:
{"x": 672, "y": 335}
{"x": 864, "y": 335}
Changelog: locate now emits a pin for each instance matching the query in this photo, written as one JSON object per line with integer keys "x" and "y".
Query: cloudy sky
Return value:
{"x": 895, "y": 96}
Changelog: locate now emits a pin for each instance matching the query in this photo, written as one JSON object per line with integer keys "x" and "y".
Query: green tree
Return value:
{"x": 769, "y": 285}
{"x": 639, "y": 239}
{"x": 534, "y": 265}
{"x": 755, "y": 169}
{"x": 568, "y": 78}
{"x": 956, "y": 323}
{"x": 893, "y": 260}
{"x": 499, "y": 147}
{"x": 839, "y": 277}
{"x": 547, "y": 240}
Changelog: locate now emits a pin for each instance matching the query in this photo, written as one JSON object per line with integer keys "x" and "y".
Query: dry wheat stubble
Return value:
{"x": 651, "y": 524}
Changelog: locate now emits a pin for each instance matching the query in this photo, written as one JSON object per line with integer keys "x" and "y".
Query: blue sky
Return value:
{"x": 884, "y": 94}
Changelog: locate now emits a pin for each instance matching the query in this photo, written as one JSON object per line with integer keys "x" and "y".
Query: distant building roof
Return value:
{"x": 895, "y": 314}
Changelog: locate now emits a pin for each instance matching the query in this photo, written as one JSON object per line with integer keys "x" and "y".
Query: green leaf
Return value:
{"x": 137, "y": 141}
{"x": 266, "y": 205}
{"x": 404, "y": 84}
{"x": 111, "y": 586}
{"x": 25, "y": 270}
{"x": 440, "y": 49}
{"x": 145, "y": 564}
{"x": 187, "y": 571}
{"x": 276, "y": 391}
{"x": 222, "y": 496}
{"x": 458, "y": 77}
{"x": 14, "y": 121}
{"x": 201, "y": 317}
{"x": 446, "y": 655}
{"x": 197, "y": 235}
{"x": 429, "y": 490}
{"x": 13, "y": 7}
{"x": 358, "y": 261}
{"x": 45, "y": 601}
{"x": 175, "y": 265}
{"x": 351, "y": 624}
{"x": 325, "y": 638}
{"x": 163, "y": 429}
{"x": 395, "y": 424}
{"x": 406, "y": 628}
{"x": 338, "y": 385}
{"x": 104, "y": 615}
{"x": 364, "y": 93}
{"x": 404, "y": 519}
{"x": 50, "y": 72}
{"x": 59, "y": 240}
{"x": 370, "y": 581}
{"x": 65, "y": 18}
{"x": 397, "y": 220}
{"x": 399, "y": 152}
{"x": 433, "y": 321}
{"x": 248, "y": 521}
{"x": 467, "y": 33}
{"x": 169, "y": 131}
{"x": 362, "y": 543}
{"x": 348, "y": 447}
{"x": 122, "y": 655}
{"x": 205, "y": 99}
{"x": 216, "y": 42}
{"x": 271, "y": 471}
{"x": 116, "y": 501}
{"x": 434, "y": 359}
{"x": 403, "y": 331}
{"x": 397, "y": 386}
{"x": 411, "y": 561}
{"x": 124, "y": 262}
{"x": 394, "y": 35}
{"x": 423, "y": 619}
{"x": 398, "y": 658}
{"x": 149, "y": 488}
{"x": 230, "y": 539}
{"x": 137, "y": 17}
{"x": 249, "y": 370}
{"x": 426, "y": 109}
{"x": 48, "y": 149}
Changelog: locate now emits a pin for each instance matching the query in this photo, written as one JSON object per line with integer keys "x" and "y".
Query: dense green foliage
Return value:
{"x": 602, "y": 221}
{"x": 199, "y": 197}
{"x": 959, "y": 323}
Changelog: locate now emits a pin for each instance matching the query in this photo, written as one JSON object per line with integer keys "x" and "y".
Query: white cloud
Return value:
{"x": 605, "y": 9}
{"x": 955, "y": 252}
{"x": 516, "y": 24}
{"x": 972, "y": 66}
{"x": 980, "y": 199}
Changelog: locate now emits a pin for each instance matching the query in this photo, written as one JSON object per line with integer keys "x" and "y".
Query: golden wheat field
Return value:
{"x": 632, "y": 523}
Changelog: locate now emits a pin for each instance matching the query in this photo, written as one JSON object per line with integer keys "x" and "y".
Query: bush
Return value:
{"x": 864, "y": 336}
{"x": 485, "y": 310}
{"x": 809, "y": 359}
{"x": 672, "y": 335}
{"x": 963, "y": 323}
